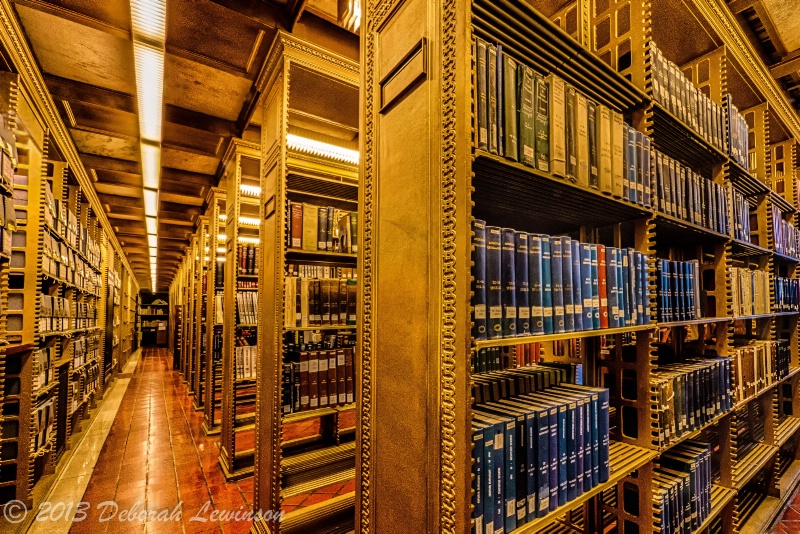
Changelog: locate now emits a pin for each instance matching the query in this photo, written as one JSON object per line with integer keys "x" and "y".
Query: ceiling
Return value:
{"x": 214, "y": 52}
{"x": 773, "y": 26}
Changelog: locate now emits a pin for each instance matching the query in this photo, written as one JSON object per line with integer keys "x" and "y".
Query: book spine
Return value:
{"x": 577, "y": 285}
{"x": 329, "y": 230}
{"x": 527, "y": 136}
{"x": 611, "y": 283}
{"x": 604, "y": 150}
{"x": 630, "y": 147}
{"x": 510, "y": 116}
{"x": 602, "y": 287}
{"x": 491, "y": 65}
{"x": 522, "y": 284}
{"x": 501, "y": 133}
{"x": 297, "y": 225}
{"x": 494, "y": 286}
{"x": 582, "y": 144}
{"x": 322, "y": 224}
{"x": 477, "y": 480}
{"x": 558, "y": 149}
{"x": 482, "y": 103}
{"x": 567, "y": 281}
{"x": 556, "y": 257}
{"x": 594, "y": 156}
{"x": 542, "y": 123}
{"x": 548, "y": 308}
{"x": 586, "y": 286}
{"x": 508, "y": 277}
{"x": 570, "y": 128}
{"x": 535, "y": 285}
{"x": 617, "y": 150}
{"x": 478, "y": 279}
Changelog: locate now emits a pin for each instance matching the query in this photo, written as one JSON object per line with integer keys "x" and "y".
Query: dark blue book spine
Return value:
{"x": 478, "y": 279}
{"x": 580, "y": 448}
{"x": 594, "y": 275}
{"x": 637, "y": 274}
{"x": 535, "y": 283}
{"x": 622, "y": 286}
{"x": 490, "y": 474}
{"x": 499, "y": 479}
{"x": 556, "y": 259}
{"x": 566, "y": 278}
{"x": 588, "y": 476}
{"x": 603, "y": 429}
{"x": 611, "y": 287}
{"x": 577, "y": 286}
{"x": 532, "y": 468}
{"x": 553, "y": 461}
{"x": 547, "y": 286}
{"x": 509, "y": 277}
{"x": 630, "y": 295}
{"x": 511, "y": 459}
{"x": 543, "y": 473}
{"x": 572, "y": 451}
{"x": 563, "y": 456}
{"x": 494, "y": 282}
{"x": 690, "y": 279}
{"x": 674, "y": 292}
{"x": 630, "y": 150}
{"x": 477, "y": 483}
{"x": 586, "y": 285}
{"x": 522, "y": 285}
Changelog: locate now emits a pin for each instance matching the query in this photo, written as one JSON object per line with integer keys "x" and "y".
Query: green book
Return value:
{"x": 510, "y": 116}
{"x": 542, "y": 122}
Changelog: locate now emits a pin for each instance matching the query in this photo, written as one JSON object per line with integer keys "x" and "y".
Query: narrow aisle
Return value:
{"x": 157, "y": 459}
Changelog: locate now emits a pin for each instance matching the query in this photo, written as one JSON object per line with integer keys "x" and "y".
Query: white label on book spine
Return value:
{"x": 495, "y": 312}
{"x": 524, "y": 312}
{"x": 569, "y": 308}
{"x": 511, "y": 312}
{"x": 547, "y": 311}
{"x": 480, "y": 311}
{"x": 536, "y": 311}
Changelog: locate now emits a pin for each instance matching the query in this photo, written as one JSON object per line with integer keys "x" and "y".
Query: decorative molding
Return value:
{"x": 21, "y": 56}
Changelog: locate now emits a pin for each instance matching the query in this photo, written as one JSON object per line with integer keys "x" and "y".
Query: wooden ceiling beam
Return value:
{"x": 266, "y": 15}
{"x": 178, "y": 176}
{"x": 788, "y": 65}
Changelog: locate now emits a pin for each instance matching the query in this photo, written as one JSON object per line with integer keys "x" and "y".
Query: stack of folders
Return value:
{"x": 784, "y": 234}
{"x": 538, "y": 448}
{"x": 741, "y": 215}
{"x": 528, "y": 284}
{"x": 750, "y": 290}
{"x": 678, "y": 290}
{"x": 786, "y": 294}
{"x": 684, "y": 194}
{"x": 547, "y": 124}
{"x": 682, "y": 488}
{"x": 689, "y": 394}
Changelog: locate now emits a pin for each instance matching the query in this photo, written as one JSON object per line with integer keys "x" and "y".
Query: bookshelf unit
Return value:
{"x": 424, "y": 176}
{"x": 240, "y": 327}
{"x": 297, "y": 179}
{"x": 153, "y": 312}
{"x": 201, "y": 294}
{"x": 52, "y": 299}
{"x": 215, "y": 275}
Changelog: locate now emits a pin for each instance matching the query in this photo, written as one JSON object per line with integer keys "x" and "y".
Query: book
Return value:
{"x": 494, "y": 286}
{"x": 527, "y": 131}
{"x": 508, "y": 277}
{"x": 492, "y": 98}
{"x": 481, "y": 83}
{"x": 548, "y": 304}
{"x": 571, "y": 132}
{"x": 542, "y": 123}
{"x": 593, "y": 141}
{"x": 557, "y": 292}
{"x": 567, "y": 281}
{"x": 603, "y": 149}
{"x": 522, "y": 284}
{"x": 582, "y": 139}
{"x": 479, "y": 279}
{"x": 617, "y": 149}
{"x": 535, "y": 285}
{"x": 557, "y": 107}
{"x": 510, "y": 115}
{"x": 310, "y": 227}
{"x": 501, "y": 133}
{"x": 577, "y": 286}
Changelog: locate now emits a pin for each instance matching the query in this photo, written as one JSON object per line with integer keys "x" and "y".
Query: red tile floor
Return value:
{"x": 157, "y": 455}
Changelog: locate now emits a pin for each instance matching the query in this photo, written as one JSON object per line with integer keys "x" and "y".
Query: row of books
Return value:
{"x": 246, "y": 307}
{"x": 320, "y": 302}
{"x": 673, "y": 90}
{"x": 245, "y": 360}
{"x": 759, "y": 365}
{"x": 785, "y": 235}
{"x": 317, "y": 379}
{"x": 787, "y": 294}
{"x": 537, "y": 284}
{"x": 247, "y": 259}
{"x": 44, "y": 420}
{"x": 547, "y": 124}
{"x": 740, "y": 208}
{"x": 60, "y": 261}
{"x": 9, "y": 155}
{"x": 55, "y": 314}
{"x": 43, "y": 372}
{"x": 308, "y": 270}
{"x": 219, "y": 274}
{"x": 750, "y": 290}
{"x": 91, "y": 379}
{"x": 153, "y": 310}
{"x": 677, "y": 290}
{"x": 8, "y": 224}
{"x": 247, "y": 284}
{"x": 684, "y": 194}
{"x": 558, "y": 434}
{"x": 738, "y": 133}
{"x": 85, "y": 315}
{"x": 85, "y": 349}
{"x": 689, "y": 394}
{"x": 682, "y": 488}
{"x": 322, "y": 228}
{"x": 65, "y": 224}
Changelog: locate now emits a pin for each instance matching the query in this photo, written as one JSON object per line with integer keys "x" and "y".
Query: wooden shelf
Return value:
{"x": 694, "y": 433}
{"x": 753, "y": 317}
{"x": 786, "y": 429}
{"x": 672, "y": 137}
{"x": 744, "y": 182}
{"x": 771, "y": 507}
{"x": 319, "y": 412}
{"x": 624, "y": 460}
{"x": 522, "y": 340}
{"x": 745, "y": 468}
{"x": 690, "y": 322}
{"x": 743, "y": 249}
{"x": 68, "y": 333}
{"x": 781, "y": 203}
{"x": 319, "y": 255}
{"x": 720, "y": 497}
{"x": 321, "y": 327}
{"x": 782, "y": 258}
{"x": 672, "y": 229}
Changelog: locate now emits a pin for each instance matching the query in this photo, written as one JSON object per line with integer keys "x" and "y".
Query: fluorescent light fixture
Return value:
{"x": 149, "y": 66}
{"x": 318, "y": 148}
{"x": 220, "y": 250}
{"x": 151, "y": 165}
{"x": 207, "y": 259}
{"x": 152, "y": 225}
{"x": 206, "y": 250}
{"x": 152, "y": 240}
{"x": 150, "y": 203}
{"x": 250, "y": 190}
{"x": 148, "y": 20}
{"x": 153, "y": 254}
{"x": 221, "y": 259}
{"x": 221, "y": 237}
{"x": 223, "y": 217}
{"x": 249, "y": 221}
{"x": 249, "y": 240}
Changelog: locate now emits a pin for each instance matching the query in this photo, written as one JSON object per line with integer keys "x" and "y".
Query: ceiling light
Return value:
{"x": 152, "y": 225}
{"x": 249, "y": 221}
{"x": 207, "y": 249}
{"x": 150, "y": 203}
{"x": 223, "y": 217}
{"x": 221, "y": 259}
{"x": 149, "y": 67}
{"x": 318, "y": 148}
{"x": 152, "y": 240}
{"x": 207, "y": 259}
{"x": 249, "y": 240}
{"x": 220, "y": 250}
{"x": 221, "y": 237}
{"x": 151, "y": 165}
{"x": 148, "y": 19}
{"x": 250, "y": 190}
{"x": 153, "y": 253}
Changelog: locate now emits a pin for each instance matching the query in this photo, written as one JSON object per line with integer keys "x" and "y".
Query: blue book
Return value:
{"x": 478, "y": 279}
{"x": 630, "y": 149}
{"x": 558, "y": 448}
{"x": 577, "y": 285}
{"x": 572, "y": 428}
{"x": 675, "y": 303}
{"x": 690, "y": 279}
{"x": 579, "y": 443}
{"x": 517, "y": 459}
{"x": 645, "y": 279}
{"x": 597, "y": 429}
{"x": 547, "y": 286}
{"x": 523, "y": 289}
{"x": 595, "y": 288}
{"x": 501, "y": 471}
{"x": 586, "y": 286}
{"x": 509, "y": 277}
{"x": 535, "y": 284}
{"x": 633, "y": 286}
{"x": 566, "y": 280}
{"x": 494, "y": 282}
{"x": 557, "y": 274}
{"x": 622, "y": 281}
{"x": 488, "y": 485}
{"x": 478, "y": 481}
{"x": 611, "y": 287}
